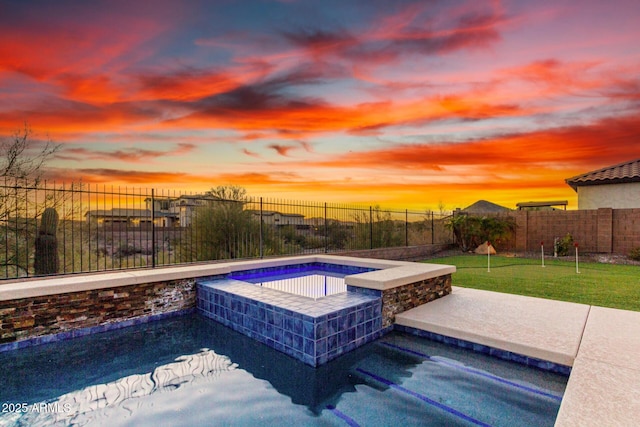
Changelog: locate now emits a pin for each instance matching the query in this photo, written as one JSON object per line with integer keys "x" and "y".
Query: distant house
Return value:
{"x": 179, "y": 211}
{"x": 129, "y": 217}
{"x": 616, "y": 187}
{"x": 279, "y": 219}
{"x": 164, "y": 212}
{"x": 483, "y": 207}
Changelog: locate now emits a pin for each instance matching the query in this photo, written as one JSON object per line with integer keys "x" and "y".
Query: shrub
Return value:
{"x": 471, "y": 231}
{"x": 562, "y": 247}
{"x": 634, "y": 254}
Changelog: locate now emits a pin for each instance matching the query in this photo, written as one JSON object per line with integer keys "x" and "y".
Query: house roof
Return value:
{"x": 119, "y": 212}
{"x": 482, "y": 206}
{"x": 616, "y": 174}
{"x": 542, "y": 204}
{"x": 271, "y": 213}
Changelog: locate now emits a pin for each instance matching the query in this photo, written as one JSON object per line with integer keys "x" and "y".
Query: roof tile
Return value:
{"x": 616, "y": 174}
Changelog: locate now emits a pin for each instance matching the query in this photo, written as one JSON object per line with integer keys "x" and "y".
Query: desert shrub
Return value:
{"x": 313, "y": 242}
{"x": 377, "y": 229}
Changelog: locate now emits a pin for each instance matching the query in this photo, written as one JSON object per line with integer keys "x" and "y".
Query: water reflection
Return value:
{"x": 105, "y": 369}
{"x": 72, "y": 407}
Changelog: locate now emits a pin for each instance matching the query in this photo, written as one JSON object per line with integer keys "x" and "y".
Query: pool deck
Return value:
{"x": 601, "y": 344}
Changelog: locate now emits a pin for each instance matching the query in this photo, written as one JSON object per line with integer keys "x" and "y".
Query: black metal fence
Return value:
{"x": 110, "y": 228}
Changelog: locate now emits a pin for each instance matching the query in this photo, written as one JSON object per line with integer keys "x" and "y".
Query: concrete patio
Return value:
{"x": 601, "y": 344}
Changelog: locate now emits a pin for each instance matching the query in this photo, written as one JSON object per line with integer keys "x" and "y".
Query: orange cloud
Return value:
{"x": 576, "y": 146}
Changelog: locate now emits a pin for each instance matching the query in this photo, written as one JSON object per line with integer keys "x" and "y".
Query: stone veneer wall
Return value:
{"x": 406, "y": 297}
{"x": 27, "y": 318}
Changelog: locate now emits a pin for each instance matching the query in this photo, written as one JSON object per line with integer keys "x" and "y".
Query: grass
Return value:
{"x": 605, "y": 285}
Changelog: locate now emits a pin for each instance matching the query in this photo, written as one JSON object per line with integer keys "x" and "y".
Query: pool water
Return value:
{"x": 190, "y": 370}
{"x": 313, "y": 280}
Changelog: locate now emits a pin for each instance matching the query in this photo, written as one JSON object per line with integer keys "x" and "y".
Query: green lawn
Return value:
{"x": 605, "y": 285}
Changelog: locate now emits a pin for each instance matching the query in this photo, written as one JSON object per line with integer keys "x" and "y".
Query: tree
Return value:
{"x": 22, "y": 167}
{"x": 470, "y": 231}
{"x": 222, "y": 228}
{"x": 230, "y": 193}
{"x": 22, "y": 159}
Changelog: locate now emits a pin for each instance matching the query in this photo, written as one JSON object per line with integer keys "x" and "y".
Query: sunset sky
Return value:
{"x": 412, "y": 104}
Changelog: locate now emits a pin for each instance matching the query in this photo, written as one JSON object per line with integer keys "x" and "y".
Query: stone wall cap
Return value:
{"x": 398, "y": 276}
{"x": 66, "y": 284}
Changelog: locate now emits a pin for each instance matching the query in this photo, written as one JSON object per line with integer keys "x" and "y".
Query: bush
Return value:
{"x": 470, "y": 231}
{"x": 562, "y": 247}
{"x": 634, "y": 254}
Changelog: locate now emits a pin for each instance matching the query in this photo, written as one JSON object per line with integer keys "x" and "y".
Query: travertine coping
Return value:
{"x": 541, "y": 328}
{"x": 392, "y": 274}
{"x": 604, "y": 386}
{"x": 390, "y": 278}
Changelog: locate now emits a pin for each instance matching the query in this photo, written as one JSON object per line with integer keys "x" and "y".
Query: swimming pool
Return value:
{"x": 193, "y": 371}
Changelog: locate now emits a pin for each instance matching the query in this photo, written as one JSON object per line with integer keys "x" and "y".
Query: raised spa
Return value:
{"x": 317, "y": 308}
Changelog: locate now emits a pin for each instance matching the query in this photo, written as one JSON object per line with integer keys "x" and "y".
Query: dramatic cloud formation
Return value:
{"x": 413, "y": 104}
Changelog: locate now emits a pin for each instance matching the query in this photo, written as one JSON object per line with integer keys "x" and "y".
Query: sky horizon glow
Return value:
{"x": 407, "y": 104}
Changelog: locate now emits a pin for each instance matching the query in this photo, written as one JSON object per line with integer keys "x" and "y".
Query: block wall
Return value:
{"x": 625, "y": 230}
{"x": 602, "y": 230}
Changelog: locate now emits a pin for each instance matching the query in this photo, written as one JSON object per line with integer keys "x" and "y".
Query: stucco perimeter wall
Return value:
{"x": 51, "y": 315}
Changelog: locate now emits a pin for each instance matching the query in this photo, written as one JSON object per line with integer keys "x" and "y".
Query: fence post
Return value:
{"x": 153, "y": 229}
{"x": 6, "y": 232}
{"x": 370, "y": 228}
{"x": 433, "y": 239}
{"x": 406, "y": 227}
{"x": 326, "y": 230}
{"x": 261, "y": 238}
